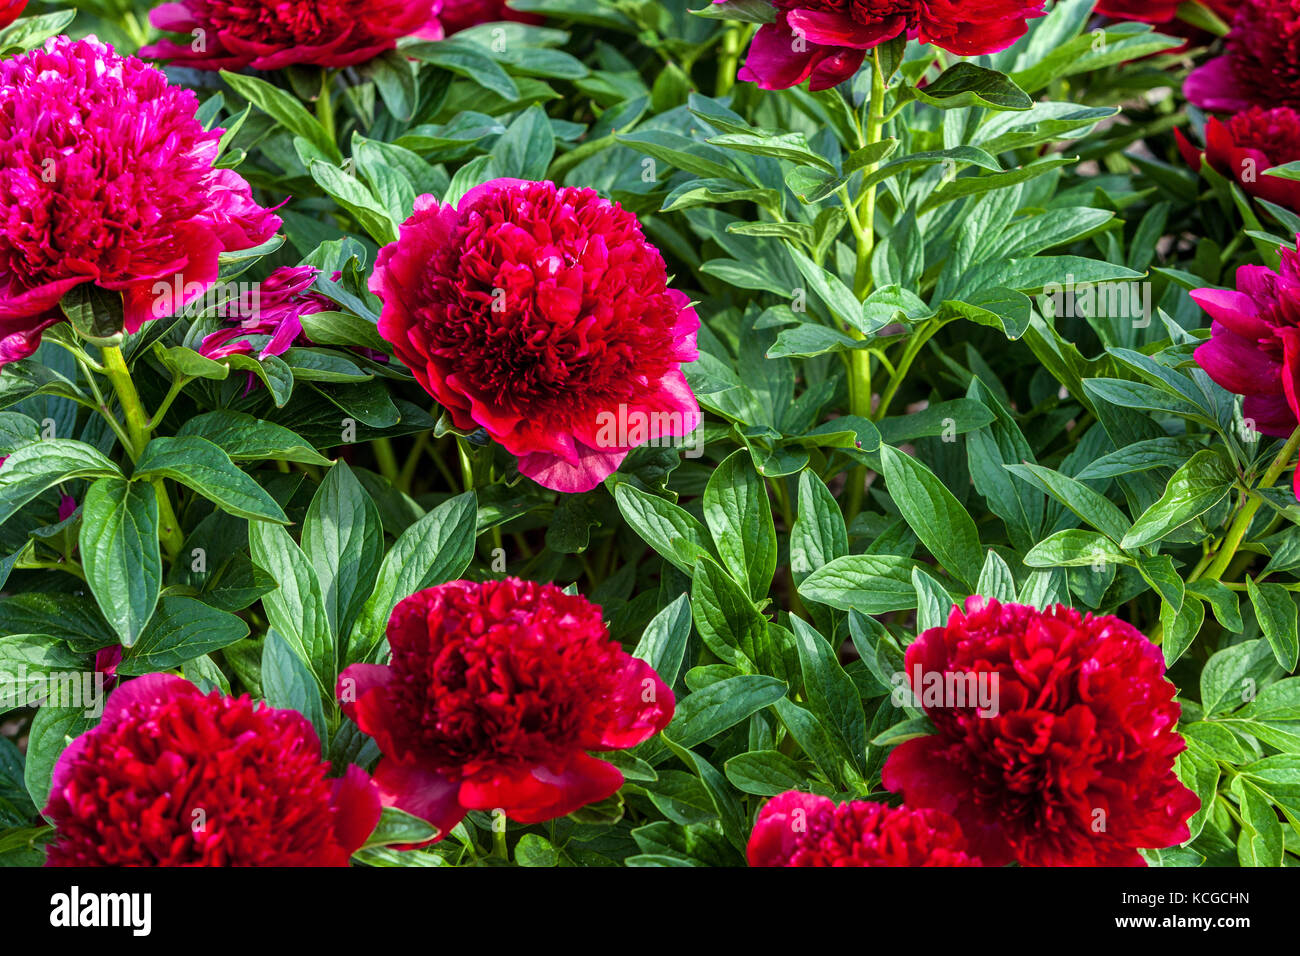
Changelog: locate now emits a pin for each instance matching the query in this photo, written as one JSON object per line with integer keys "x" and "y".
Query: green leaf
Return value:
{"x": 765, "y": 773}
{"x": 468, "y": 60}
{"x": 663, "y": 643}
{"x": 53, "y": 728}
{"x": 344, "y": 540}
{"x": 41, "y": 465}
{"x": 181, "y": 630}
{"x": 245, "y": 438}
{"x": 285, "y": 109}
{"x": 831, "y": 695}
{"x": 870, "y": 583}
{"x": 1275, "y": 610}
{"x": 936, "y": 516}
{"x": 706, "y": 713}
{"x": 1075, "y": 547}
{"x": 288, "y": 683}
{"x": 1089, "y": 506}
{"x": 296, "y": 608}
{"x": 818, "y": 536}
{"x": 202, "y": 466}
{"x": 1233, "y": 676}
{"x": 120, "y": 554}
{"x": 965, "y": 84}
{"x": 1193, "y": 490}
{"x": 672, "y": 531}
{"x": 399, "y": 827}
{"x": 739, "y": 515}
{"x": 434, "y": 550}
{"x": 1261, "y": 842}
{"x": 996, "y": 580}
{"x": 728, "y": 622}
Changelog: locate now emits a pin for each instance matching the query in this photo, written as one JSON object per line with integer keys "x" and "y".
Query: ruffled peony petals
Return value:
{"x": 495, "y": 693}
{"x": 270, "y": 36}
{"x": 802, "y": 829}
{"x": 641, "y": 705}
{"x": 781, "y": 824}
{"x": 532, "y": 311}
{"x": 173, "y": 777}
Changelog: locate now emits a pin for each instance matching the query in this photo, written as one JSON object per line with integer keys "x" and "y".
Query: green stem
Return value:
{"x": 138, "y": 431}
{"x": 728, "y": 58}
{"x": 1250, "y": 505}
{"x": 407, "y": 475}
{"x": 865, "y": 233}
{"x": 500, "y": 848}
{"x": 387, "y": 461}
{"x": 913, "y": 348}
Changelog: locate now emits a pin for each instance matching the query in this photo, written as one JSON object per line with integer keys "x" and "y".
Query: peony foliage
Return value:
{"x": 657, "y": 433}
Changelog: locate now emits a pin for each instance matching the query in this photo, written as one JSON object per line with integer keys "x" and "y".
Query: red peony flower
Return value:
{"x": 269, "y": 35}
{"x": 107, "y": 177}
{"x": 273, "y": 311}
{"x": 826, "y": 40}
{"x": 459, "y": 15}
{"x": 1254, "y": 346}
{"x": 1246, "y": 145}
{"x": 494, "y": 694}
{"x": 543, "y": 315}
{"x": 803, "y": 829}
{"x": 1071, "y": 764}
{"x": 11, "y": 10}
{"x": 1261, "y": 65}
{"x": 173, "y": 777}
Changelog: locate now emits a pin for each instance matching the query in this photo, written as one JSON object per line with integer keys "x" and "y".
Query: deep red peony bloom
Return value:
{"x": 11, "y": 10}
{"x": 1072, "y": 764}
{"x": 826, "y": 40}
{"x": 1261, "y": 66}
{"x": 1254, "y": 346}
{"x": 1246, "y": 145}
{"x": 544, "y": 316}
{"x": 107, "y": 177}
{"x": 459, "y": 15}
{"x": 269, "y": 35}
{"x": 272, "y": 312}
{"x": 494, "y": 694}
{"x": 173, "y": 777}
{"x": 803, "y": 829}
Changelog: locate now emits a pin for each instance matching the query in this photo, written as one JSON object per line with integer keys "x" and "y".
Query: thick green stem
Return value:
{"x": 865, "y": 233}
{"x": 386, "y": 459}
{"x": 1246, "y": 514}
{"x": 138, "y": 431}
{"x": 728, "y": 58}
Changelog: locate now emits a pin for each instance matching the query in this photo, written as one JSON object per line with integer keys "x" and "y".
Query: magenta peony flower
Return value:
{"x": 275, "y": 311}
{"x": 1261, "y": 66}
{"x": 494, "y": 694}
{"x": 1246, "y": 145}
{"x": 825, "y": 41}
{"x": 269, "y": 35}
{"x": 107, "y": 177}
{"x": 544, "y": 316}
{"x": 173, "y": 777}
{"x": 1055, "y": 740}
{"x": 459, "y": 15}
{"x": 1254, "y": 346}
{"x": 803, "y": 829}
